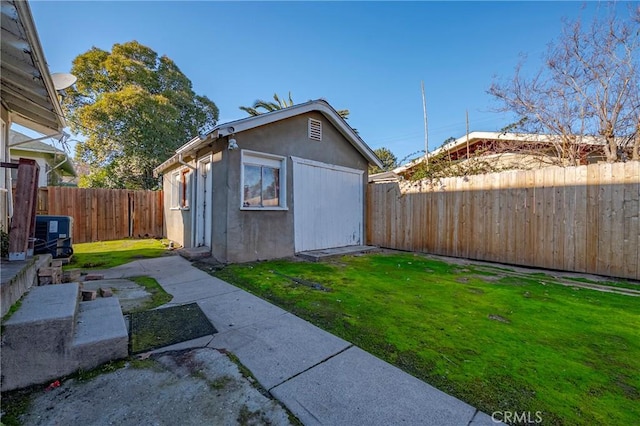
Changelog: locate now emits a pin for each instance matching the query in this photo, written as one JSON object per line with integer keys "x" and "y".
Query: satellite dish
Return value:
{"x": 63, "y": 80}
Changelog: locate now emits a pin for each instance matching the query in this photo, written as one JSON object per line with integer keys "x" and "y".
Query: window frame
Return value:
{"x": 180, "y": 189}
{"x": 262, "y": 159}
{"x": 185, "y": 181}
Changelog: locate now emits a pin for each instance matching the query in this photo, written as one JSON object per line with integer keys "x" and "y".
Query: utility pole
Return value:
{"x": 467, "y": 112}
{"x": 426, "y": 129}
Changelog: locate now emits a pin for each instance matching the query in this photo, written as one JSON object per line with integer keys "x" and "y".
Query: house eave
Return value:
{"x": 319, "y": 105}
{"x": 473, "y": 137}
{"x": 27, "y": 88}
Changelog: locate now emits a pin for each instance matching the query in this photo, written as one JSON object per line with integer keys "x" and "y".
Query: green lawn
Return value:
{"x": 107, "y": 254}
{"x": 497, "y": 340}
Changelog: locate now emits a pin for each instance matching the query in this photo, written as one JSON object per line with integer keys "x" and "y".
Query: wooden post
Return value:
{"x": 24, "y": 210}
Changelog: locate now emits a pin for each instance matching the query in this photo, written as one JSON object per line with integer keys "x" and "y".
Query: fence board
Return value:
{"x": 591, "y": 246}
{"x": 631, "y": 213}
{"x": 569, "y": 219}
{"x": 617, "y": 221}
{"x": 605, "y": 217}
{"x": 583, "y": 219}
{"x": 105, "y": 214}
{"x": 526, "y": 248}
{"x": 559, "y": 218}
{"x": 580, "y": 223}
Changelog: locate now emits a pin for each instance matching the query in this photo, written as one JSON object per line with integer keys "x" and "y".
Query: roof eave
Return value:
{"x": 472, "y": 138}
{"x": 319, "y": 105}
{"x": 24, "y": 12}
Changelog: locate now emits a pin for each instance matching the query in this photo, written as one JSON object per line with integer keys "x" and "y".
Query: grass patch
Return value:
{"x": 158, "y": 296}
{"x": 14, "y": 405}
{"x": 107, "y": 254}
{"x": 163, "y": 327}
{"x": 13, "y": 309}
{"x": 109, "y": 367}
{"x": 497, "y": 340}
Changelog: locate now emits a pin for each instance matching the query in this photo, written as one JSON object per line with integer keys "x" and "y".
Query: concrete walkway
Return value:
{"x": 321, "y": 378}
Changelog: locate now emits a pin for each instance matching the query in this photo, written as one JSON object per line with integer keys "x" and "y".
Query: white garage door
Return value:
{"x": 328, "y": 203}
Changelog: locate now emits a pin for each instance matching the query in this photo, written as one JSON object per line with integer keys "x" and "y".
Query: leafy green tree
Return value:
{"x": 261, "y": 106}
{"x": 134, "y": 108}
{"x": 389, "y": 160}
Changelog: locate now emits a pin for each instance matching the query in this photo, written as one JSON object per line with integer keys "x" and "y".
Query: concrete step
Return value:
{"x": 101, "y": 334}
{"x": 37, "y": 337}
{"x": 18, "y": 277}
{"x": 53, "y": 335}
{"x": 318, "y": 255}
{"x": 195, "y": 253}
{"x": 45, "y": 319}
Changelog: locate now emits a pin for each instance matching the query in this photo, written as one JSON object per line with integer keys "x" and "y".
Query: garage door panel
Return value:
{"x": 328, "y": 203}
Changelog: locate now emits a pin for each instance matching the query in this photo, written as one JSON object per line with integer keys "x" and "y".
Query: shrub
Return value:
{"x": 4, "y": 243}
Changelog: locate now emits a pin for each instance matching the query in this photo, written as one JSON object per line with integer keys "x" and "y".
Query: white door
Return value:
{"x": 328, "y": 205}
{"x": 204, "y": 199}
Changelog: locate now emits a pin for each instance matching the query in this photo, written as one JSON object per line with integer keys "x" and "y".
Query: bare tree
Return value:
{"x": 587, "y": 86}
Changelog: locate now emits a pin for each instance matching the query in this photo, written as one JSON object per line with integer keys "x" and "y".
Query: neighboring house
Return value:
{"x": 382, "y": 177}
{"x": 269, "y": 186}
{"x": 509, "y": 151}
{"x": 56, "y": 168}
{"x": 27, "y": 93}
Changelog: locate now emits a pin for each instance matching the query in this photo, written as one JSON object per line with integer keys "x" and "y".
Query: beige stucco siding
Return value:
{"x": 240, "y": 235}
{"x": 177, "y": 222}
{"x": 4, "y": 173}
{"x": 218, "y": 199}
{"x": 254, "y": 235}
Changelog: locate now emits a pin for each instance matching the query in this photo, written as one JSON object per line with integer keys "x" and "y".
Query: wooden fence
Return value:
{"x": 582, "y": 219}
{"x": 105, "y": 214}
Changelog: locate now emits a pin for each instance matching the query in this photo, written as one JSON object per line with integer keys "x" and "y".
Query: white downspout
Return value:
{"x": 55, "y": 136}
{"x": 56, "y": 166}
{"x": 193, "y": 197}
{"x": 184, "y": 163}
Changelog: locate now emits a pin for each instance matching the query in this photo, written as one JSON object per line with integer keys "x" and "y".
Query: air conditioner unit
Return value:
{"x": 54, "y": 236}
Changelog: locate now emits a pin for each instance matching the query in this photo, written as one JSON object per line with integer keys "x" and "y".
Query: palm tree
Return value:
{"x": 268, "y": 106}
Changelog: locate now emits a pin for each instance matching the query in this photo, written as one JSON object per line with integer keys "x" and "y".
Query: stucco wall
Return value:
{"x": 177, "y": 222}
{"x": 242, "y": 235}
{"x": 4, "y": 180}
{"x": 257, "y": 235}
{"x": 220, "y": 184}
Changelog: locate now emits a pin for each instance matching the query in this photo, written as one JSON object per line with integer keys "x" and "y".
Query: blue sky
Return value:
{"x": 368, "y": 57}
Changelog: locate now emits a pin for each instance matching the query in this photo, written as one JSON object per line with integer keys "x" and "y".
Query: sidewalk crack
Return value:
{"x": 475, "y": 413}
{"x": 309, "y": 368}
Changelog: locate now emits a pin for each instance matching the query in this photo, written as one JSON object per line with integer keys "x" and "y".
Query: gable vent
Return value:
{"x": 315, "y": 129}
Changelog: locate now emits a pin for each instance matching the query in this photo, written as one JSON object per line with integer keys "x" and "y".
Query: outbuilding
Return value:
{"x": 269, "y": 186}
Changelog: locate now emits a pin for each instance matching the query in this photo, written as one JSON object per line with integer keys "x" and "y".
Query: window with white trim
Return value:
{"x": 180, "y": 188}
{"x": 263, "y": 181}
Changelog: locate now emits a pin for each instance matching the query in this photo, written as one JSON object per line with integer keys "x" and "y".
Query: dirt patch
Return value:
{"x": 193, "y": 387}
{"x": 130, "y": 294}
{"x": 303, "y": 282}
{"x": 489, "y": 278}
{"x": 499, "y": 318}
